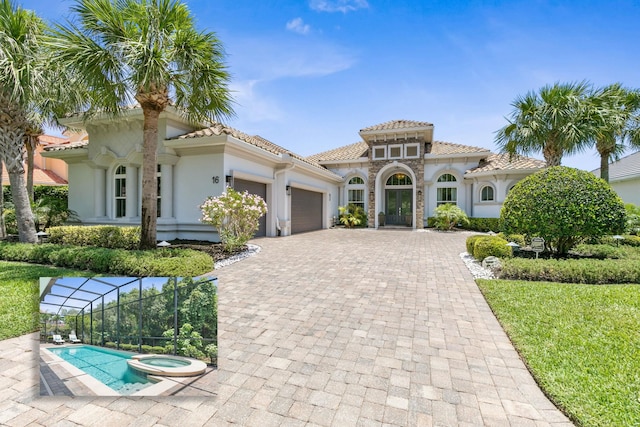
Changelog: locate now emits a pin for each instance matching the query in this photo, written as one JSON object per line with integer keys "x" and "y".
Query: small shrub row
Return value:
{"x": 105, "y": 236}
{"x": 160, "y": 263}
{"x": 482, "y": 246}
{"x": 599, "y": 251}
{"x": 588, "y": 271}
{"x": 483, "y": 224}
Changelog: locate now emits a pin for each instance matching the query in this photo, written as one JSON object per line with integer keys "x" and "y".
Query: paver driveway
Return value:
{"x": 332, "y": 328}
{"x": 362, "y": 327}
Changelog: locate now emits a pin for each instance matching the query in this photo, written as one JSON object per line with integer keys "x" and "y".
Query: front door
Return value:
{"x": 399, "y": 207}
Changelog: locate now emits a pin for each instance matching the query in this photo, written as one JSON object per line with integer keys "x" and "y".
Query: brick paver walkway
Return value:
{"x": 331, "y": 328}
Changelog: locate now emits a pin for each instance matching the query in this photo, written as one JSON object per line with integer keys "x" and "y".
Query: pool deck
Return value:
{"x": 331, "y": 328}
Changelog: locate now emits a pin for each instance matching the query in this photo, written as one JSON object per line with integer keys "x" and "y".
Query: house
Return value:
{"x": 46, "y": 171}
{"x": 624, "y": 177}
{"x": 397, "y": 168}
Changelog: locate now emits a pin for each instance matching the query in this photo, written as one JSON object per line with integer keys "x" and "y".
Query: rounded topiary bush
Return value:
{"x": 471, "y": 241}
{"x": 491, "y": 246}
{"x": 564, "y": 206}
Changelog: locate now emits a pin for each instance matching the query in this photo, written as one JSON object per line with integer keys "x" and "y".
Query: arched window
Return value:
{"x": 447, "y": 194}
{"x": 355, "y": 191}
{"x": 399, "y": 179}
{"x": 120, "y": 195}
{"x": 486, "y": 194}
{"x": 447, "y": 177}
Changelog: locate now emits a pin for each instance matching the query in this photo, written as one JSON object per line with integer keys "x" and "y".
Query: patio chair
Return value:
{"x": 57, "y": 339}
{"x": 73, "y": 339}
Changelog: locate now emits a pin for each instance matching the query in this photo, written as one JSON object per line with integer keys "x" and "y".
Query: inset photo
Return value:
{"x": 128, "y": 336}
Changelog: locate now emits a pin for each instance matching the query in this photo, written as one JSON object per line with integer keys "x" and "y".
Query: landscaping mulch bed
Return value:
{"x": 213, "y": 249}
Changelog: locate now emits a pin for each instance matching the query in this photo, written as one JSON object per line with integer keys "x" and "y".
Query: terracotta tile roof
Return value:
{"x": 348, "y": 152}
{"x": 498, "y": 162}
{"x": 40, "y": 177}
{"x": 66, "y": 146}
{"x": 441, "y": 148}
{"x": 396, "y": 124}
{"x": 255, "y": 140}
{"x": 47, "y": 140}
{"x": 625, "y": 168}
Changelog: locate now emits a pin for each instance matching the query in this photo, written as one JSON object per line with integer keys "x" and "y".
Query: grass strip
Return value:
{"x": 581, "y": 342}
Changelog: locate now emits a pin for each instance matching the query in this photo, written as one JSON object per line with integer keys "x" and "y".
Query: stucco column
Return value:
{"x": 132, "y": 192}
{"x": 99, "y": 192}
{"x": 166, "y": 191}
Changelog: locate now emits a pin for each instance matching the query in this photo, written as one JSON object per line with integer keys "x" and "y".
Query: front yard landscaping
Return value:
{"x": 19, "y": 301}
{"x": 581, "y": 342}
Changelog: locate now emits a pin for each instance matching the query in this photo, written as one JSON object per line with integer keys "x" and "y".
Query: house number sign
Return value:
{"x": 215, "y": 179}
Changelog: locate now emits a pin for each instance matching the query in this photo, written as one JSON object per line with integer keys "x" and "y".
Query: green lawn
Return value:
{"x": 19, "y": 287}
{"x": 582, "y": 343}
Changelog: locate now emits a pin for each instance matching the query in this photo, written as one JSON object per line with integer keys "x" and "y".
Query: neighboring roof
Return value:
{"x": 67, "y": 146}
{"x": 397, "y": 124}
{"x": 626, "y": 168}
{"x": 40, "y": 177}
{"x": 47, "y": 140}
{"x": 440, "y": 148}
{"x": 348, "y": 152}
{"x": 503, "y": 162}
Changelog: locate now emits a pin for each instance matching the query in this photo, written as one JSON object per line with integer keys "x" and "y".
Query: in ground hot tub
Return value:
{"x": 168, "y": 366}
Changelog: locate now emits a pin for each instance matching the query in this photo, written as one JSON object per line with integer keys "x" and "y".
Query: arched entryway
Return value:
{"x": 398, "y": 199}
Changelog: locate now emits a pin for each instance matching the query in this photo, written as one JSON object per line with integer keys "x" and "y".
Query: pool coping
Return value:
{"x": 161, "y": 384}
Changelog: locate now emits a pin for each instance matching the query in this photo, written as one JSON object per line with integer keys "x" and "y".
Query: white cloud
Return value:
{"x": 343, "y": 6}
{"x": 252, "y": 105}
{"x": 297, "y": 25}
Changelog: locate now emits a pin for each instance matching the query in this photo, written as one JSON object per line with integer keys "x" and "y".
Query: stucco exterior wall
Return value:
{"x": 629, "y": 190}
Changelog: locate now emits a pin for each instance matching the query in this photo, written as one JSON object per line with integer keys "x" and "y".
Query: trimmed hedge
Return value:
{"x": 471, "y": 242}
{"x": 491, "y": 246}
{"x": 599, "y": 251}
{"x": 588, "y": 271}
{"x": 104, "y": 236}
{"x": 159, "y": 263}
{"x": 484, "y": 224}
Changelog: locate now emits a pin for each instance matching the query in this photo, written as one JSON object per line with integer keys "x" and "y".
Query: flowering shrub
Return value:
{"x": 235, "y": 215}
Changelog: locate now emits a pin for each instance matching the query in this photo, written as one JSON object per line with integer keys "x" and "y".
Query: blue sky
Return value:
{"x": 308, "y": 75}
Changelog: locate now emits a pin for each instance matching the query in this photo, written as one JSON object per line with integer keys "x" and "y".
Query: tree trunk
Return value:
{"x": 552, "y": 154}
{"x": 149, "y": 211}
{"x": 24, "y": 216}
{"x": 604, "y": 166}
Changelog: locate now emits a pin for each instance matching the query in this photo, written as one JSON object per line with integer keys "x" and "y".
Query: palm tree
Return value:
{"x": 34, "y": 131}
{"x": 20, "y": 83}
{"x": 148, "y": 51}
{"x": 615, "y": 120}
{"x": 551, "y": 121}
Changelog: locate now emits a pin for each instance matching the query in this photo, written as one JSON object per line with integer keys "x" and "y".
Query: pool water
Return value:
{"x": 165, "y": 362}
{"x": 107, "y": 366}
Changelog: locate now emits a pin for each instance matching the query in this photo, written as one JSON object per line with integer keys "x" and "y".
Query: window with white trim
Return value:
{"x": 120, "y": 193}
{"x": 379, "y": 153}
{"x": 355, "y": 191}
{"x": 395, "y": 151}
{"x": 411, "y": 151}
{"x": 159, "y": 192}
{"x": 446, "y": 195}
{"x": 486, "y": 194}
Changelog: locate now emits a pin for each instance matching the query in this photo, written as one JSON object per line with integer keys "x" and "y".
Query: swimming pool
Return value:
{"x": 107, "y": 366}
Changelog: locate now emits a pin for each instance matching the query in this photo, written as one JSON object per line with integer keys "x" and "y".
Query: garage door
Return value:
{"x": 306, "y": 210}
{"x": 258, "y": 189}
